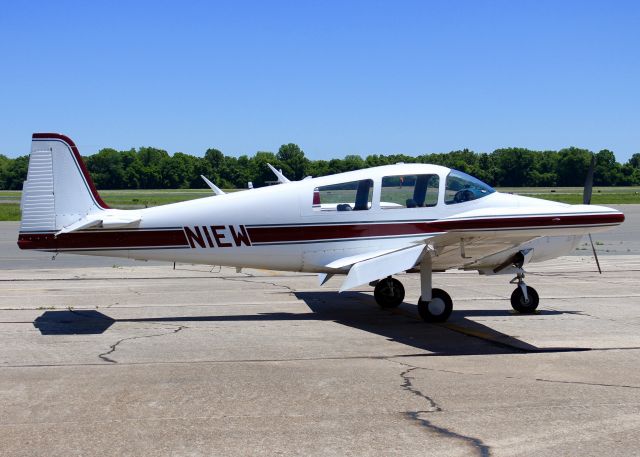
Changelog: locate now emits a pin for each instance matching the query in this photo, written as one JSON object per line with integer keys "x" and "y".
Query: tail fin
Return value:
{"x": 58, "y": 190}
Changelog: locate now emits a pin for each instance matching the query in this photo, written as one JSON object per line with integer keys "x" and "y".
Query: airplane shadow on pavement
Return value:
{"x": 459, "y": 336}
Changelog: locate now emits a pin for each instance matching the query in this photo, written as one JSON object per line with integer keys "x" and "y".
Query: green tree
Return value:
{"x": 318, "y": 168}
{"x": 175, "y": 170}
{"x": 106, "y": 168}
{"x": 15, "y": 173}
{"x": 353, "y": 162}
{"x": 4, "y": 165}
{"x": 151, "y": 160}
{"x": 514, "y": 166}
{"x": 293, "y": 161}
{"x": 607, "y": 171}
{"x": 259, "y": 170}
{"x": 573, "y": 164}
{"x": 133, "y": 169}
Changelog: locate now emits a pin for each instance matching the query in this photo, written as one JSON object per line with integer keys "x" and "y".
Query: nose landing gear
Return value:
{"x": 524, "y": 299}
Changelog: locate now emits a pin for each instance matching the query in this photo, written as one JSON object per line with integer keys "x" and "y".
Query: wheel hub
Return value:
{"x": 436, "y": 306}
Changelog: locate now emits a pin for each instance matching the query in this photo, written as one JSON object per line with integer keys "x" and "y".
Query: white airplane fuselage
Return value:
{"x": 278, "y": 228}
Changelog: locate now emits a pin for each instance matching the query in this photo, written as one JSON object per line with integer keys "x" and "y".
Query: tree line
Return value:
{"x": 152, "y": 168}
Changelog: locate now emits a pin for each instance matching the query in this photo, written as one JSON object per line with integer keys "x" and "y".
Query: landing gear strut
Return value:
{"x": 434, "y": 305}
{"x": 389, "y": 292}
{"x": 524, "y": 299}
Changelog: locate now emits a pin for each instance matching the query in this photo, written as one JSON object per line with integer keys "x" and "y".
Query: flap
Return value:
{"x": 351, "y": 260}
{"x": 382, "y": 266}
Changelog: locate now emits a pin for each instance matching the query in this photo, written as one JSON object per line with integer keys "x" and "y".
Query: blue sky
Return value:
{"x": 337, "y": 78}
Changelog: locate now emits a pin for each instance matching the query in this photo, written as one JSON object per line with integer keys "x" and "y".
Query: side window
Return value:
{"x": 409, "y": 191}
{"x": 460, "y": 188}
{"x": 348, "y": 196}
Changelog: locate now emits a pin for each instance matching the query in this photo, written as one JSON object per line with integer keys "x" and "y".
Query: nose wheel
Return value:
{"x": 389, "y": 293}
{"x": 525, "y": 305}
{"x": 524, "y": 299}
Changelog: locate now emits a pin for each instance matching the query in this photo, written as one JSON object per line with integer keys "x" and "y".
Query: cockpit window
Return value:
{"x": 460, "y": 187}
{"x": 409, "y": 191}
{"x": 347, "y": 196}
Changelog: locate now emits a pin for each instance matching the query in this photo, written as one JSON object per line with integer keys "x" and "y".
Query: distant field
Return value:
{"x": 127, "y": 199}
{"x": 121, "y": 199}
{"x": 573, "y": 195}
{"x": 130, "y": 199}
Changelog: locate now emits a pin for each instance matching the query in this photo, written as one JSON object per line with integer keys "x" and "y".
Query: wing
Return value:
{"x": 476, "y": 251}
{"x": 468, "y": 251}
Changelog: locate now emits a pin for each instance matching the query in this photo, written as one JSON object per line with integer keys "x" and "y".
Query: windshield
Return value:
{"x": 460, "y": 187}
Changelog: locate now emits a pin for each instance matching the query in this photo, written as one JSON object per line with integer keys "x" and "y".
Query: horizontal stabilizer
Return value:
{"x": 107, "y": 219}
{"x": 382, "y": 266}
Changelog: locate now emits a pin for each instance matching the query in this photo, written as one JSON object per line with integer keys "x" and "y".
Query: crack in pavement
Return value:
{"x": 601, "y": 318}
{"x": 477, "y": 444}
{"x": 523, "y": 378}
{"x": 250, "y": 276}
{"x": 114, "y": 346}
{"x": 585, "y": 383}
{"x": 407, "y": 384}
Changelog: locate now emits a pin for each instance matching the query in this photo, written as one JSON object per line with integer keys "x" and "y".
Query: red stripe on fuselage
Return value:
{"x": 530, "y": 221}
{"x": 331, "y": 232}
{"x": 100, "y": 239}
{"x": 306, "y": 233}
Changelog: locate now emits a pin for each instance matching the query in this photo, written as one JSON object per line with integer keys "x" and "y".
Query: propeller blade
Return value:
{"x": 588, "y": 183}
{"x": 595, "y": 254}
{"x": 586, "y": 200}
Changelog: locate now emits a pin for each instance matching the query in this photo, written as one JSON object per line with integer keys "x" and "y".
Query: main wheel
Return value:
{"x": 525, "y": 306}
{"x": 389, "y": 293}
{"x": 438, "y": 309}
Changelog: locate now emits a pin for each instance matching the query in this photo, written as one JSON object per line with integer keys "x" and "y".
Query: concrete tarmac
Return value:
{"x": 124, "y": 358}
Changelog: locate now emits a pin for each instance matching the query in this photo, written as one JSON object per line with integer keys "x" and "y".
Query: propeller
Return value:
{"x": 586, "y": 200}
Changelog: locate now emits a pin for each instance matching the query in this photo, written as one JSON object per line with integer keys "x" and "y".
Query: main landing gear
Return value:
{"x": 435, "y": 305}
{"x": 389, "y": 292}
{"x": 438, "y": 309}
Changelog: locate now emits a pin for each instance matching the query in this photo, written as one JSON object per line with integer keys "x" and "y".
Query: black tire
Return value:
{"x": 438, "y": 309}
{"x": 389, "y": 293}
{"x": 525, "y": 307}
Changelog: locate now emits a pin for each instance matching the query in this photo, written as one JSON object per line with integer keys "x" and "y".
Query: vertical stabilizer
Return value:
{"x": 58, "y": 190}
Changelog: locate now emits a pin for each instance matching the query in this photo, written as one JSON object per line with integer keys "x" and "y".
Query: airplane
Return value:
{"x": 366, "y": 225}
